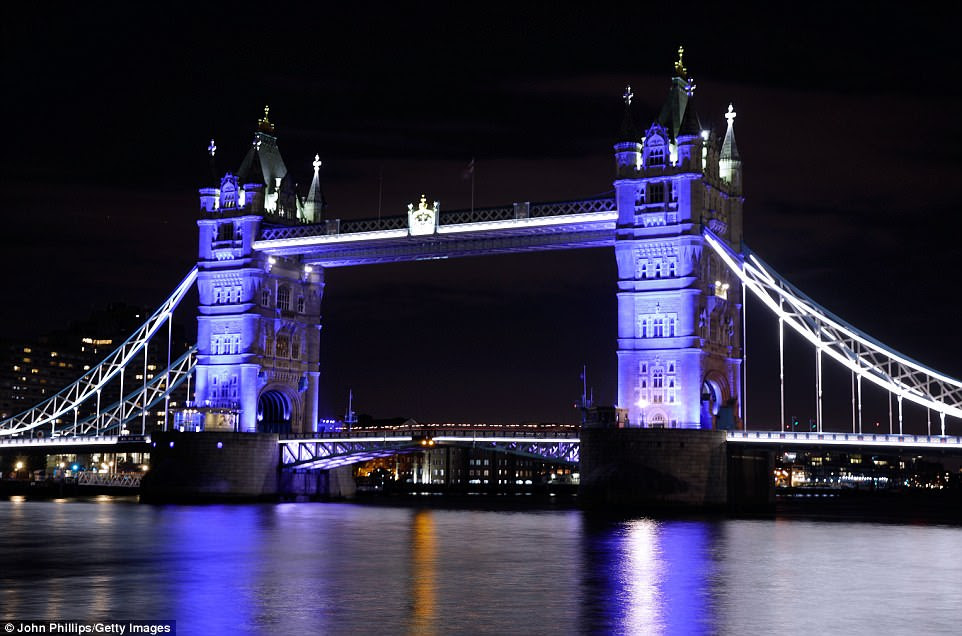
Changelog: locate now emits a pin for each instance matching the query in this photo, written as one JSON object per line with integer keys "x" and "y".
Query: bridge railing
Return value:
{"x": 522, "y": 210}
{"x": 848, "y": 439}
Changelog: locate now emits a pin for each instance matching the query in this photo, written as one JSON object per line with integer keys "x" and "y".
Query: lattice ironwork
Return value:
{"x": 859, "y": 352}
{"x": 374, "y": 225}
{"x": 585, "y": 206}
{"x": 61, "y": 404}
{"x": 478, "y": 215}
{"x": 119, "y": 480}
{"x": 324, "y": 453}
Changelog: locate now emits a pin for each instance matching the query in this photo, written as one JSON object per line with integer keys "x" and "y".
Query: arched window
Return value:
{"x": 657, "y": 378}
{"x": 644, "y": 329}
{"x": 284, "y": 297}
{"x": 266, "y": 298}
{"x": 656, "y": 153}
{"x": 283, "y": 346}
{"x": 658, "y": 268}
{"x": 296, "y": 348}
{"x": 671, "y": 327}
{"x": 659, "y": 329}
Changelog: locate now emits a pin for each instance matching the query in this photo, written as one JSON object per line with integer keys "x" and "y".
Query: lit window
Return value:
{"x": 284, "y": 297}
{"x": 656, "y": 193}
{"x": 656, "y": 154}
{"x": 283, "y": 346}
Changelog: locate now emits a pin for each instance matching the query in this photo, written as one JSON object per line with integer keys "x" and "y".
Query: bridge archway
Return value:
{"x": 276, "y": 410}
{"x": 715, "y": 396}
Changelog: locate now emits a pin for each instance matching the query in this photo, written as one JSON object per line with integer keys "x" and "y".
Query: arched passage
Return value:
{"x": 275, "y": 412}
{"x": 715, "y": 395}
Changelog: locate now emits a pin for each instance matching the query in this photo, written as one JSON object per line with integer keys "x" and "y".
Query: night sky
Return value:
{"x": 848, "y": 127}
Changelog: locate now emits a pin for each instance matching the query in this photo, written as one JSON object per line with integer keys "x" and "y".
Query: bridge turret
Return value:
{"x": 258, "y": 324}
{"x": 679, "y": 317}
{"x": 628, "y": 149}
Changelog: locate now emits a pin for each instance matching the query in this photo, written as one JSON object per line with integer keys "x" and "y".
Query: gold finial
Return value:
{"x": 423, "y": 205}
{"x": 680, "y": 69}
{"x": 265, "y": 125}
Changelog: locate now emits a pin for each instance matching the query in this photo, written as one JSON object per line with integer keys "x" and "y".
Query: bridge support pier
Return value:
{"x": 211, "y": 466}
{"x": 685, "y": 469}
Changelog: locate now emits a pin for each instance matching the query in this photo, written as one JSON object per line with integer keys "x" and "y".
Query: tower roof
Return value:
{"x": 690, "y": 124}
{"x": 729, "y": 149}
{"x": 314, "y": 204}
{"x": 674, "y": 110}
{"x": 263, "y": 163}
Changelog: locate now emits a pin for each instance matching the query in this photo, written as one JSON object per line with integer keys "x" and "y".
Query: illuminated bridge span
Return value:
{"x": 684, "y": 272}
{"x": 337, "y": 450}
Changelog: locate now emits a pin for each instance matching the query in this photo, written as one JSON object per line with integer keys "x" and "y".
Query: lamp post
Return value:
{"x": 642, "y": 404}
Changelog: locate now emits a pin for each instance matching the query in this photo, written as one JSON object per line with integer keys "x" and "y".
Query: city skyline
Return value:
{"x": 845, "y": 194}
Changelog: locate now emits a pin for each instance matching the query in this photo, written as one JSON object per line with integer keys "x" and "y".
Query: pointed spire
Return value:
{"x": 315, "y": 204}
{"x": 680, "y": 70}
{"x": 729, "y": 149}
{"x": 264, "y": 124}
{"x": 628, "y": 131}
{"x": 682, "y": 89}
{"x": 211, "y": 150}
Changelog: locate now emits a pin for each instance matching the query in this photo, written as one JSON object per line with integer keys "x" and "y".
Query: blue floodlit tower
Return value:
{"x": 679, "y": 310}
{"x": 258, "y": 323}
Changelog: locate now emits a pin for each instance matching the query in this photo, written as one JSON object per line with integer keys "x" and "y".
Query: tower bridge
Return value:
{"x": 673, "y": 219}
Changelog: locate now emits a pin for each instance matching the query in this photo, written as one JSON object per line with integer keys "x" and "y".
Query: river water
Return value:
{"x": 310, "y": 568}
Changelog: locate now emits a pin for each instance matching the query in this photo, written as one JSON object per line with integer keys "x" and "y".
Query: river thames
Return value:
{"x": 309, "y": 568}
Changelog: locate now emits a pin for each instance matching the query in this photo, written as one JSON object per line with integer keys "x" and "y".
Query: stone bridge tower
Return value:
{"x": 679, "y": 310}
{"x": 258, "y": 323}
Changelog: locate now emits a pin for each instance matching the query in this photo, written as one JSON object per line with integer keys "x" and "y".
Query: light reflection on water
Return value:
{"x": 341, "y": 568}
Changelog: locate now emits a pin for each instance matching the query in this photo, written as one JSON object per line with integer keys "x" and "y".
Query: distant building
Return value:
{"x": 34, "y": 369}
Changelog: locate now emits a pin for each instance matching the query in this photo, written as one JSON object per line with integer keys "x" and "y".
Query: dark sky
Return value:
{"x": 848, "y": 126}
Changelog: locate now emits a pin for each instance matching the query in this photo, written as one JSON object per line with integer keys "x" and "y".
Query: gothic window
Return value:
{"x": 656, "y": 193}
{"x": 644, "y": 332}
{"x": 658, "y": 420}
{"x": 235, "y": 294}
{"x": 225, "y": 232}
{"x": 657, "y": 378}
{"x": 266, "y": 298}
{"x": 658, "y": 331}
{"x": 656, "y": 154}
{"x": 672, "y": 268}
{"x": 233, "y": 388}
{"x": 218, "y": 295}
{"x": 300, "y": 305}
{"x": 643, "y": 269}
{"x": 284, "y": 297}
{"x": 283, "y": 346}
{"x": 658, "y": 268}
{"x": 671, "y": 326}
{"x": 671, "y": 367}
{"x": 296, "y": 349}
{"x": 644, "y": 368}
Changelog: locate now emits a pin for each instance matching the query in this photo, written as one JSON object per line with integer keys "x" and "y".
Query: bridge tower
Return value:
{"x": 258, "y": 323}
{"x": 679, "y": 310}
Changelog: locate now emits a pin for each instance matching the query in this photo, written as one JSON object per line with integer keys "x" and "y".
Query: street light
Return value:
{"x": 643, "y": 404}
